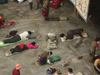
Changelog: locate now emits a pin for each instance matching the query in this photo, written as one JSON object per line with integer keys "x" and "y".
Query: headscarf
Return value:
{"x": 18, "y": 66}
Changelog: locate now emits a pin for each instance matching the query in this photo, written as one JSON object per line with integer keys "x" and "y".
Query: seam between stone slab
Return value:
{"x": 80, "y": 55}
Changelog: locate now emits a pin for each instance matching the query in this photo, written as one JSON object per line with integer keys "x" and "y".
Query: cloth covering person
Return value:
{"x": 16, "y": 71}
{"x": 22, "y": 47}
{"x": 93, "y": 48}
{"x": 97, "y": 65}
{"x": 44, "y": 58}
{"x": 25, "y": 34}
{"x": 38, "y": 3}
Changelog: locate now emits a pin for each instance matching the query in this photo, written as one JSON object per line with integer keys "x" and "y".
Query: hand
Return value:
{"x": 51, "y": 63}
{"x": 84, "y": 37}
{"x": 99, "y": 70}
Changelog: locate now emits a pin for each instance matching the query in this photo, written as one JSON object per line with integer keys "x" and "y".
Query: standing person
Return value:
{"x": 1, "y": 21}
{"x": 45, "y": 10}
{"x": 31, "y": 4}
{"x": 16, "y": 71}
{"x": 38, "y": 3}
{"x": 70, "y": 72}
{"x": 97, "y": 65}
{"x": 93, "y": 48}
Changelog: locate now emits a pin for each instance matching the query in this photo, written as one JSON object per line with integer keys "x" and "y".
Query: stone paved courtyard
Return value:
{"x": 27, "y": 19}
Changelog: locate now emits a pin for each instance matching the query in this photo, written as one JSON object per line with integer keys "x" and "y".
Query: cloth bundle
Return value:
{"x": 52, "y": 41}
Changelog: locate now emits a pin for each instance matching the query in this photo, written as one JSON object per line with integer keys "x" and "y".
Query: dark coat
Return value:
{"x": 70, "y": 33}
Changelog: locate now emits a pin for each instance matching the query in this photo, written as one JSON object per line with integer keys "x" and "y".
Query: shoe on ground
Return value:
{"x": 80, "y": 57}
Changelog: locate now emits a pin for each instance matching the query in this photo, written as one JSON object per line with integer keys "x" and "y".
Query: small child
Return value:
{"x": 70, "y": 72}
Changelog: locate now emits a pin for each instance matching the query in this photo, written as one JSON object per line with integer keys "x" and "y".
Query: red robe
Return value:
{"x": 16, "y": 72}
{"x": 1, "y": 22}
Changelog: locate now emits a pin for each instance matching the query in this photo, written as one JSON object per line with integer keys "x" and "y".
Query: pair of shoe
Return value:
{"x": 80, "y": 57}
{"x": 65, "y": 63}
{"x": 38, "y": 36}
{"x": 8, "y": 54}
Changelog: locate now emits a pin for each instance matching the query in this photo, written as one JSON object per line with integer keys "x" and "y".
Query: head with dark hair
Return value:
{"x": 33, "y": 43}
{"x": 50, "y": 53}
{"x": 62, "y": 35}
{"x": 70, "y": 70}
{"x": 97, "y": 39}
{"x": 81, "y": 30}
{"x": 29, "y": 32}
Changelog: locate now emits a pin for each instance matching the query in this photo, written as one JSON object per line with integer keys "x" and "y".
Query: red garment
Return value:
{"x": 56, "y": 1}
{"x": 96, "y": 45}
{"x": 16, "y": 72}
{"x": 45, "y": 14}
{"x": 9, "y": 23}
{"x": 21, "y": 46}
{"x": 80, "y": 34}
{"x": 1, "y": 22}
{"x": 54, "y": 4}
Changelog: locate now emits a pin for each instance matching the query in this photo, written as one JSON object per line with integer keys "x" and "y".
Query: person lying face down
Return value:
{"x": 25, "y": 34}
{"x": 70, "y": 34}
{"x": 22, "y": 47}
{"x": 44, "y": 58}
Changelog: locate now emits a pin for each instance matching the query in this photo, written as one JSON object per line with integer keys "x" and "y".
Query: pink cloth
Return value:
{"x": 29, "y": 45}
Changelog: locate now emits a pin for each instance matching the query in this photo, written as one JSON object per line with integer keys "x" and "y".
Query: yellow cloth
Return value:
{"x": 46, "y": 4}
{"x": 0, "y": 17}
{"x": 97, "y": 62}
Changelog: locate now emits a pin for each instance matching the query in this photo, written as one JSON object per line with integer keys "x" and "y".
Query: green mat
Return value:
{"x": 2, "y": 44}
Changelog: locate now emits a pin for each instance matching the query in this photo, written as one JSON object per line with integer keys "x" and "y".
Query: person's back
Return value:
{"x": 44, "y": 55}
{"x": 76, "y": 31}
{"x": 92, "y": 45}
{"x": 23, "y": 35}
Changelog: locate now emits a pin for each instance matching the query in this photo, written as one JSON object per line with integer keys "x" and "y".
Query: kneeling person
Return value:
{"x": 44, "y": 58}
